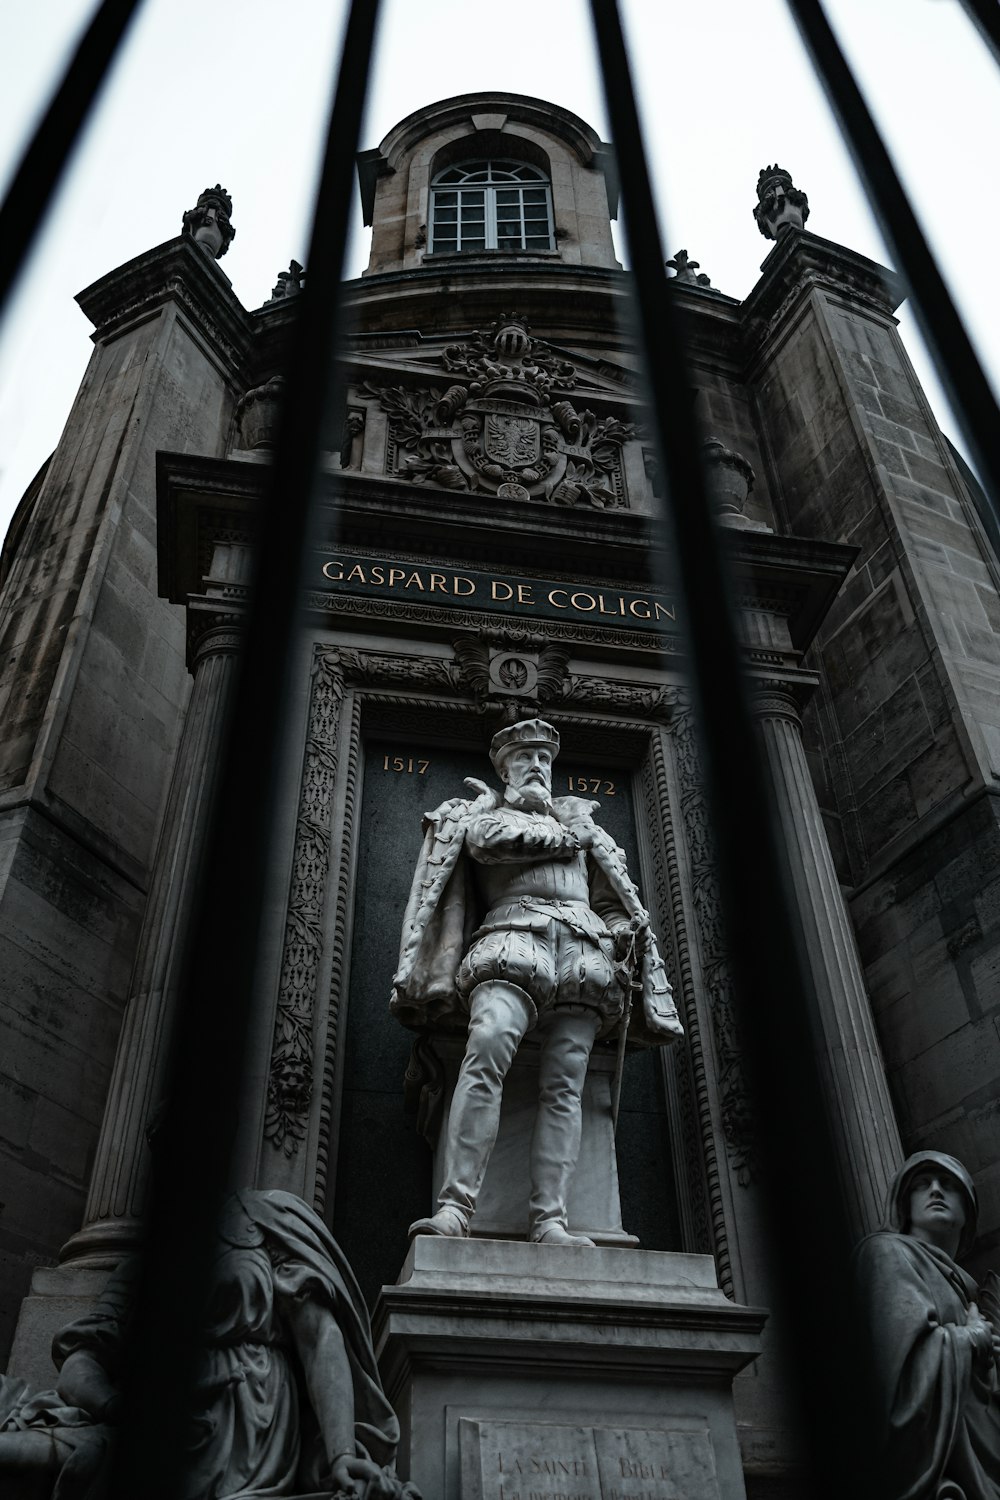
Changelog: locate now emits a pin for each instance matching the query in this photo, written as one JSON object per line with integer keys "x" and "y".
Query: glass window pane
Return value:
{"x": 472, "y": 195}
{"x": 453, "y": 176}
{"x": 478, "y": 244}
{"x": 443, "y": 198}
{"x": 443, "y": 245}
{"x": 538, "y": 242}
{"x": 508, "y": 195}
{"x": 473, "y": 216}
{"x": 534, "y": 195}
{"x": 508, "y": 211}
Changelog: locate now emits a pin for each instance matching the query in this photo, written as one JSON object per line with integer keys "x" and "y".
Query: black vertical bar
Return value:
{"x": 773, "y": 990}
{"x": 958, "y": 366}
{"x": 985, "y": 16}
{"x": 215, "y": 1010}
{"x": 51, "y": 146}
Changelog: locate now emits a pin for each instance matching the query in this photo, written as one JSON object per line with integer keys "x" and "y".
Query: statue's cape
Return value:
{"x": 441, "y": 918}
{"x": 939, "y": 1413}
{"x": 438, "y": 922}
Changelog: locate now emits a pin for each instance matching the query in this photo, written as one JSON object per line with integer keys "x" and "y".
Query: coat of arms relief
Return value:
{"x": 500, "y": 429}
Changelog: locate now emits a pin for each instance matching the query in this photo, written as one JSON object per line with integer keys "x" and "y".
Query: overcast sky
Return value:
{"x": 237, "y": 91}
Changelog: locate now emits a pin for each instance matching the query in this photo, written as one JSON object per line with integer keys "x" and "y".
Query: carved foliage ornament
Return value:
{"x": 290, "y": 1084}
{"x": 736, "y": 1108}
{"x": 500, "y": 431}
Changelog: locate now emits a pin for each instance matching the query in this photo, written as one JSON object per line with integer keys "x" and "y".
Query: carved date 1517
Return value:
{"x": 408, "y": 763}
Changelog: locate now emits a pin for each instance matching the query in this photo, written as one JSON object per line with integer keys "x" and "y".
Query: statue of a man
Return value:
{"x": 937, "y": 1357}
{"x": 522, "y": 917}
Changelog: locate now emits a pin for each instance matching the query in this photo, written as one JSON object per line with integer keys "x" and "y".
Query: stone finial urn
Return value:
{"x": 728, "y": 480}
{"x": 259, "y": 412}
{"x": 208, "y": 223}
{"x": 780, "y": 205}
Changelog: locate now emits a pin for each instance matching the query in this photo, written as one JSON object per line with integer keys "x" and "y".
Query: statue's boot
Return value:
{"x": 448, "y": 1221}
{"x": 567, "y": 1041}
{"x": 499, "y": 1015}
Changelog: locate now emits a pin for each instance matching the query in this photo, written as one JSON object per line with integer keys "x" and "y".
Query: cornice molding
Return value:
{"x": 799, "y": 264}
{"x": 178, "y": 271}
{"x": 202, "y": 501}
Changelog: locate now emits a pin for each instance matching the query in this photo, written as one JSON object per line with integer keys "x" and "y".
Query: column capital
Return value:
{"x": 212, "y": 633}
{"x": 776, "y": 700}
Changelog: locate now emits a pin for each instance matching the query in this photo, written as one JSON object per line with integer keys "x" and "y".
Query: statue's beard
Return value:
{"x": 537, "y": 798}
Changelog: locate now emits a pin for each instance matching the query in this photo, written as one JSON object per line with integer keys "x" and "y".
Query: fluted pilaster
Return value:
{"x": 864, "y": 1124}
{"x": 115, "y": 1202}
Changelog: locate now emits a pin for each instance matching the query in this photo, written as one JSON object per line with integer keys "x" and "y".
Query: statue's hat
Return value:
{"x": 518, "y": 736}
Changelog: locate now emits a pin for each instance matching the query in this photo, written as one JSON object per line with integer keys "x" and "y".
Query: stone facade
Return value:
{"x": 494, "y": 490}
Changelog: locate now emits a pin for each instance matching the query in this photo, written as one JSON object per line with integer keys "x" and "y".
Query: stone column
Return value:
{"x": 864, "y": 1125}
{"x": 114, "y": 1205}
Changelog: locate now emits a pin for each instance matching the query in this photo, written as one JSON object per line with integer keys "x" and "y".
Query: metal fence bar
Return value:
{"x": 985, "y": 16}
{"x": 35, "y": 182}
{"x": 772, "y": 988}
{"x": 957, "y": 363}
{"x": 216, "y": 1001}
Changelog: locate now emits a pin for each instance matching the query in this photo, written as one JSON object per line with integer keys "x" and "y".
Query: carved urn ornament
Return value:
{"x": 780, "y": 204}
{"x": 728, "y": 479}
{"x": 259, "y": 412}
{"x": 499, "y": 429}
{"x": 208, "y": 223}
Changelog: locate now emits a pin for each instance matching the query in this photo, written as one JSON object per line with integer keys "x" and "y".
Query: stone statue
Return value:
{"x": 290, "y": 1392}
{"x": 780, "y": 205}
{"x": 522, "y": 917}
{"x": 208, "y": 223}
{"x": 937, "y": 1357}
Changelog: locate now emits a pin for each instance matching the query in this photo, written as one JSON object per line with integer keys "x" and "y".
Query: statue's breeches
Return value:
{"x": 558, "y": 966}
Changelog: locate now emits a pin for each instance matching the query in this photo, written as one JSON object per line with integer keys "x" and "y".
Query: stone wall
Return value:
{"x": 92, "y": 693}
{"x": 904, "y": 731}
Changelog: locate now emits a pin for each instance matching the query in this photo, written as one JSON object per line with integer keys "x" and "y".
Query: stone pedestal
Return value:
{"x": 530, "y": 1372}
{"x": 59, "y": 1295}
{"x": 502, "y": 1211}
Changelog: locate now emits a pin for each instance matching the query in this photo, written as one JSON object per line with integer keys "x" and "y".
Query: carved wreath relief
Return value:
{"x": 500, "y": 432}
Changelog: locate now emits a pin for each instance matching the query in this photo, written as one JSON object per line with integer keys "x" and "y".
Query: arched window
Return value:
{"x": 491, "y": 205}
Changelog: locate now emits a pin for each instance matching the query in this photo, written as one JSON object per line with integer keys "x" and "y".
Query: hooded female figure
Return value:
{"x": 936, "y": 1369}
{"x": 288, "y": 1399}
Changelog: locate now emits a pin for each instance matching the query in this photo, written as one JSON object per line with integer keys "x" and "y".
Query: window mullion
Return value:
{"x": 491, "y": 218}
